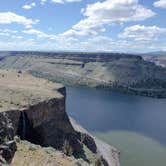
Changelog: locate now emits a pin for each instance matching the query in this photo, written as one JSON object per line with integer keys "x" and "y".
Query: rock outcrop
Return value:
{"x": 34, "y": 109}
{"x": 7, "y": 143}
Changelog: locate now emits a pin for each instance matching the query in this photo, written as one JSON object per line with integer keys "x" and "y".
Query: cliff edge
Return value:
{"x": 34, "y": 109}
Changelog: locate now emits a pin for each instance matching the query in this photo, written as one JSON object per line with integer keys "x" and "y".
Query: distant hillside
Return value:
{"x": 159, "y": 58}
{"x": 122, "y": 72}
{"x": 156, "y": 53}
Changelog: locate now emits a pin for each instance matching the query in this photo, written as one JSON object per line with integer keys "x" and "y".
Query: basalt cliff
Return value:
{"x": 121, "y": 72}
{"x": 36, "y": 130}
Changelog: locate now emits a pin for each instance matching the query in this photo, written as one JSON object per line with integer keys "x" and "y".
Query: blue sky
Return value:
{"x": 83, "y": 25}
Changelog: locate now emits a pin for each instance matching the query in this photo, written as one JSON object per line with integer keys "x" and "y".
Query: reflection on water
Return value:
{"x": 136, "y": 150}
{"x": 102, "y": 111}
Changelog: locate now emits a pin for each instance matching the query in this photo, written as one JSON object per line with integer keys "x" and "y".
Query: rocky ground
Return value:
{"x": 29, "y": 154}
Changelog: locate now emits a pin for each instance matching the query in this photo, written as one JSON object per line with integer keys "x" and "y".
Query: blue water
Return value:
{"x": 121, "y": 120}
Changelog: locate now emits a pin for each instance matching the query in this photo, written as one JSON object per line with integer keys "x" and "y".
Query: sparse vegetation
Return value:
{"x": 11, "y": 102}
{"x": 17, "y": 92}
{"x": 38, "y": 156}
{"x": 82, "y": 137}
{"x": 98, "y": 161}
{"x": 67, "y": 149}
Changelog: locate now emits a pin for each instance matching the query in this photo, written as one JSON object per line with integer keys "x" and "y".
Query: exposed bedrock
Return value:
{"x": 47, "y": 124}
{"x": 7, "y": 143}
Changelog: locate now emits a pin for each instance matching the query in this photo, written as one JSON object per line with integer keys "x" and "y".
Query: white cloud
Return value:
{"x": 4, "y": 34}
{"x": 8, "y": 31}
{"x": 17, "y": 44}
{"x": 100, "y": 39}
{"x": 30, "y": 6}
{"x": 100, "y": 14}
{"x": 142, "y": 33}
{"x": 34, "y": 32}
{"x": 9, "y": 17}
{"x": 39, "y": 33}
{"x": 117, "y": 10}
{"x": 17, "y": 37}
{"x": 87, "y": 34}
{"x": 42, "y": 2}
{"x": 160, "y": 3}
{"x": 96, "y": 43}
{"x": 59, "y": 1}
{"x": 11, "y": 34}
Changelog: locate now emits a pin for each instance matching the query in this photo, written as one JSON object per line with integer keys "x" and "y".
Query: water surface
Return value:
{"x": 135, "y": 125}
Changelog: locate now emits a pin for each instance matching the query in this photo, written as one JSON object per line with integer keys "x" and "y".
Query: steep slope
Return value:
{"x": 122, "y": 72}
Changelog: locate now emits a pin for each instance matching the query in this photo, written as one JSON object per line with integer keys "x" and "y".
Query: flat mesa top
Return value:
{"x": 19, "y": 90}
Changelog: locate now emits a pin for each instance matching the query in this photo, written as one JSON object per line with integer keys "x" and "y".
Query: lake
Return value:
{"x": 135, "y": 125}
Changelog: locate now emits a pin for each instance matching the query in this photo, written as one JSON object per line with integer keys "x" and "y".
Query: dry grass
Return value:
{"x": 21, "y": 89}
{"x": 28, "y": 156}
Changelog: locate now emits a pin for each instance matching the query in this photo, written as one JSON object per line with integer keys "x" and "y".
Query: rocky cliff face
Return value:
{"x": 7, "y": 143}
{"x": 47, "y": 124}
{"x": 34, "y": 109}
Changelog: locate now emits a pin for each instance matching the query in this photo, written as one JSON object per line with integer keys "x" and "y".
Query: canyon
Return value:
{"x": 126, "y": 73}
{"x": 33, "y": 122}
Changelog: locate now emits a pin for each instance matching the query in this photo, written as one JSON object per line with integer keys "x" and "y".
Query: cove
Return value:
{"x": 135, "y": 125}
